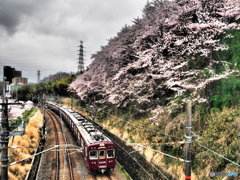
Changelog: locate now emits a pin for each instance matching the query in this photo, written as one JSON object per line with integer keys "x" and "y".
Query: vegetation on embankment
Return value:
{"x": 218, "y": 131}
{"x": 30, "y": 138}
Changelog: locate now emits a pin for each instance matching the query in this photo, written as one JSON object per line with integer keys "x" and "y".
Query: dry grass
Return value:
{"x": 30, "y": 138}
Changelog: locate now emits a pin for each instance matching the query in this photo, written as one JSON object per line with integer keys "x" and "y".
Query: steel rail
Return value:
{"x": 65, "y": 140}
{"x": 57, "y": 143}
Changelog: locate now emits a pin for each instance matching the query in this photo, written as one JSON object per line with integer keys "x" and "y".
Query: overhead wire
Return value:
{"x": 181, "y": 142}
{"x": 126, "y": 152}
{"x": 50, "y": 149}
{"x": 207, "y": 149}
{"x": 130, "y": 154}
{"x": 148, "y": 129}
{"x": 218, "y": 154}
{"x": 162, "y": 153}
{"x": 154, "y": 166}
{"x": 139, "y": 126}
{"x": 146, "y": 147}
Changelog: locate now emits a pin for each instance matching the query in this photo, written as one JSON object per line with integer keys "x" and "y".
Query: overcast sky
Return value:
{"x": 44, "y": 34}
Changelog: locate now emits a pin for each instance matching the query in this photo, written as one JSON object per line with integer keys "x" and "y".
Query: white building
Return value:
{"x": 12, "y": 87}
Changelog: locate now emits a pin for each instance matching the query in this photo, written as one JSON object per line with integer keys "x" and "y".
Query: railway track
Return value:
{"x": 62, "y": 172}
{"x": 58, "y": 168}
{"x": 103, "y": 177}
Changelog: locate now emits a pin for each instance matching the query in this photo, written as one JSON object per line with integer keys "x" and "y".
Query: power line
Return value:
{"x": 55, "y": 146}
{"x": 207, "y": 149}
{"x": 129, "y": 153}
{"x": 162, "y": 153}
{"x": 218, "y": 154}
{"x": 154, "y": 166}
{"x": 126, "y": 152}
{"x": 139, "y": 126}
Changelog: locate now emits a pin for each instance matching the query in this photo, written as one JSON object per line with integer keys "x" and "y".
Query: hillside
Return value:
{"x": 168, "y": 56}
{"x": 177, "y": 51}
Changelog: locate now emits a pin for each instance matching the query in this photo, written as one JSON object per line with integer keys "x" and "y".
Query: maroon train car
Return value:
{"x": 98, "y": 150}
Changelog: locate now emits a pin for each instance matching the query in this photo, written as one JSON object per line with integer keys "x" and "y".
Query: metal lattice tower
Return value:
{"x": 38, "y": 74}
{"x": 80, "y": 59}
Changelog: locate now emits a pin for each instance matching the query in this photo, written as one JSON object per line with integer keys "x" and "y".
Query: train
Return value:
{"x": 97, "y": 149}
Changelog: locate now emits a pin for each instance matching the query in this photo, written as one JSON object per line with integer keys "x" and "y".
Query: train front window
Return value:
{"x": 102, "y": 154}
{"x": 93, "y": 155}
{"x": 110, "y": 153}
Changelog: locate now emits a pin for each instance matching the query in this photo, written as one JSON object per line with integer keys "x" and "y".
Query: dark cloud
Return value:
{"x": 12, "y": 12}
{"x": 44, "y": 34}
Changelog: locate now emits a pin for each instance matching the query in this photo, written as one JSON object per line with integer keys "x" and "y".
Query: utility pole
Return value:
{"x": 71, "y": 102}
{"x": 4, "y": 137}
{"x": 5, "y": 134}
{"x": 38, "y": 74}
{"x": 93, "y": 109}
{"x": 80, "y": 59}
{"x": 188, "y": 141}
{"x": 238, "y": 130}
{"x": 44, "y": 119}
{"x": 17, "y": 94}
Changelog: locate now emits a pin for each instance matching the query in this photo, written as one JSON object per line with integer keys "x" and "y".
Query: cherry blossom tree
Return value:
{"x": 17, "y": 110}
{"x": 152, "y": 60}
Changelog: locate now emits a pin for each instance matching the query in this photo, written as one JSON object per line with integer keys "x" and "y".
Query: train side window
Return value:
{"x": 110, "y": 153}
{"x": 93, "y": 155}
{"x": 102, "y": 154}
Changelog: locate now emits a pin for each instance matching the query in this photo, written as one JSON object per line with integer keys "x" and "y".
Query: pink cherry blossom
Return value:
{"x": 148, "y": 61}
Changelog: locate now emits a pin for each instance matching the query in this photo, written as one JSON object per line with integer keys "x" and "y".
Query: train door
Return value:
{"x": 102, "y": 160}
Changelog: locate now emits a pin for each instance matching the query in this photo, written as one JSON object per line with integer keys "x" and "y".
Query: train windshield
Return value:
{"x": 102, "y": 154}
{"x": 110, "y": 153}
{"x": 93, "y": 155}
